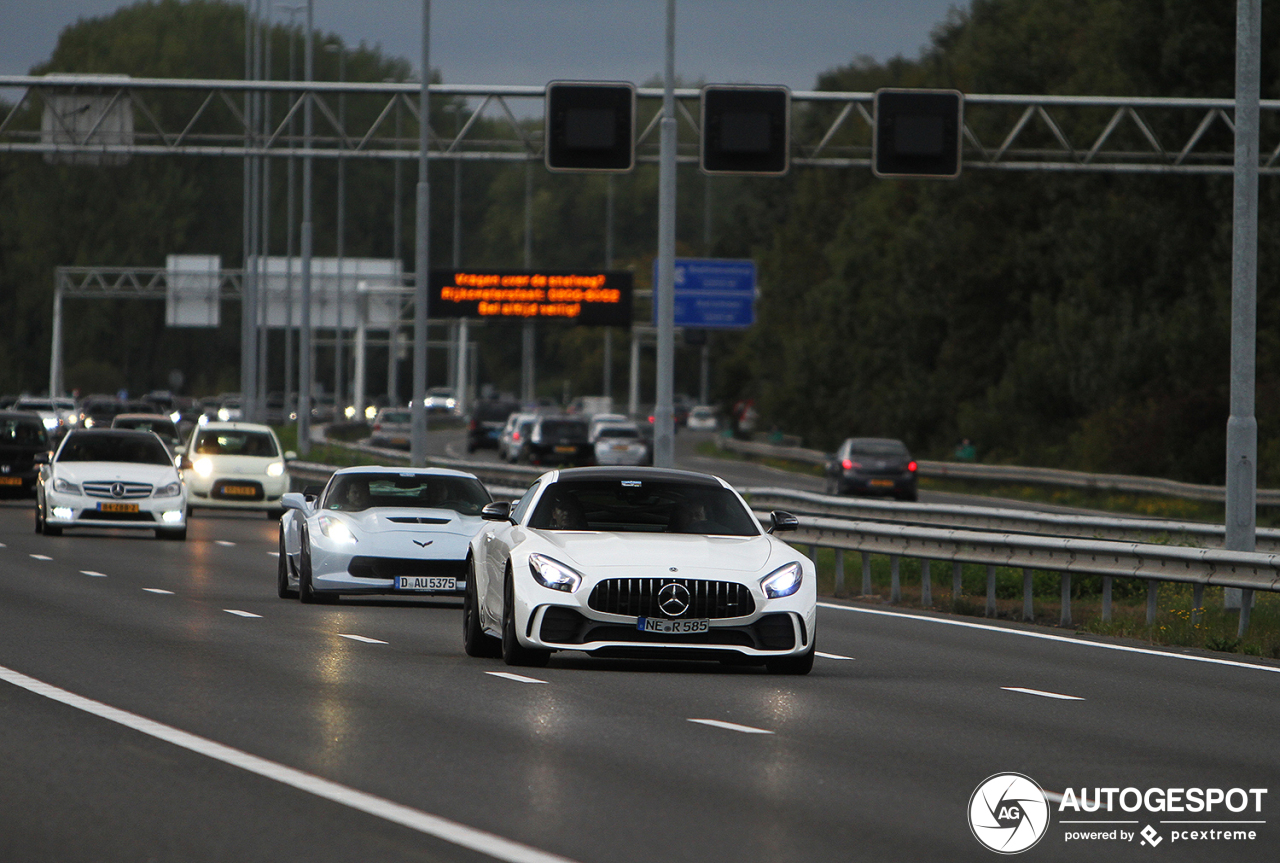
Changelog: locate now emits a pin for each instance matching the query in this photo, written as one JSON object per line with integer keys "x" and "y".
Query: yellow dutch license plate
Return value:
{"x": 240, "y": 490}
{"x": 10, "y": 480}
{"x": 882, "y": 483}
{"x": 117, "y": 507}
{"x": 566, "y": 449}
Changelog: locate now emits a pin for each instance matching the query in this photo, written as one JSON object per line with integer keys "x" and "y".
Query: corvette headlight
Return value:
{"x": 173, "y": 489}
{"x": 336, "y": 530}
{"x": 553, "y": 574}
{"x": 65, "y": 487}
{"x": 276, "y": 468}
{"x": 204, "y": 467}
{"x": 783, "y": 581}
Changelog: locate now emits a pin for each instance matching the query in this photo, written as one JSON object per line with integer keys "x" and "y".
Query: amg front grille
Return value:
{"x": 565, "y": 626}
{"x": 638, "y": 597}
{"x": 362, "y": 566}
{"x": 131, "y": 490}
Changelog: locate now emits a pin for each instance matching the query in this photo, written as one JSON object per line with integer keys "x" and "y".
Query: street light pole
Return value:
{"x": 664, "y": 291}
{"x": 339, "y": 371}
{"x": 289, "y": 222}
{"x": 418, "y": 438}
{"x": 304, "y": 325}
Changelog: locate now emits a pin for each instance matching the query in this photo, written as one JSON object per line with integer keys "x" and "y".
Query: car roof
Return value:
{"x": 652, "y": 474}
{"x": 29, "y": 416}
{"x": 143, "y": 417}
{"x": 236, "y": 426}
{"x": 398, "y": 471}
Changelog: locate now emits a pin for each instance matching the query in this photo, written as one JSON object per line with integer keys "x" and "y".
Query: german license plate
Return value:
{"x": 117, "y": 507}
{"x": 882, "y": 483}
{"x": 672, "y": 627}
{"x": 10, "y": 480}
{"x": 239, "y": 490}
{"x": 421, "y": 582}
{"x": 566, "y": 449}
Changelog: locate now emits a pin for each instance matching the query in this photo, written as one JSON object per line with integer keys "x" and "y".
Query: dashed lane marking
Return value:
{"x": 518, "y": 678}
{"x": 159, "y": 590}
{"x": 39, "y": 557}
{"x": 92, "y": 573}
{"x": 363, "y": 638}
{"x": 731, "y": 726}
{"x": 415, "y": 819}
{"x": 830, "y": 655}
{"x": 223, "y": 542}
{"x": 274, "y": 553}
{"x": 239, "y": 613}
{"x": 1042, "y": 693}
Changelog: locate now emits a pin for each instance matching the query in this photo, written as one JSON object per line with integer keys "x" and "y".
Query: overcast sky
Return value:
{"x": 530, "y": 42}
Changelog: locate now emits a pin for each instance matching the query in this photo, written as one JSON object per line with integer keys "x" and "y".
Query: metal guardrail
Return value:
{"x": 1011, "y": 473}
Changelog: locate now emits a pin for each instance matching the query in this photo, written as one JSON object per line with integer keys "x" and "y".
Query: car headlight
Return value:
{"x": 50, "y": 422}
{"x": 336, "y": 530}
{"x": 783, "y": 581}
{"x": 175, "y": 416}
{"x": 173, "y": 489}
{"x": 65, "y": 487}
{"x": 553, "y": 574}
{"x": 88, "y": 422}
{"x": 276, "y": 468}
{"x": 224, "y": 414}
{"x": 370, "y": 412}
{"x": 204, "y": 467}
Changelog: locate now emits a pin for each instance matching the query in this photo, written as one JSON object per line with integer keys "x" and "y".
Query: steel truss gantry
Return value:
{"x": 830, "y": 129}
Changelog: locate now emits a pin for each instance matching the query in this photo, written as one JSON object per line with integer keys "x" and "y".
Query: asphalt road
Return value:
{"x": 362, "y": 732}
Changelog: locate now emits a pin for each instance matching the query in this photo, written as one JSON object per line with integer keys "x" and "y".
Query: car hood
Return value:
{"x": 415, "y": 520}
{"x": 592, "y": 550}
{"x": 238, "y": 465}
{"x": 106, "y": 471}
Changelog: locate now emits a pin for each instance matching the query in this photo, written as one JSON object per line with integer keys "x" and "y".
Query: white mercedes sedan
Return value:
{"x": 638, "y": 562}
{"x": 111, "y": 478}
{"x": 388, "y": 530}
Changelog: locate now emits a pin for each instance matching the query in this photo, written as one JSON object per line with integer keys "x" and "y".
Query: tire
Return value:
{"x": 801, "y": 664}
{"x": 274, "y": 514}
{"x": 305, "y": 594}
{"x": 283, "y": 590}
{"x": 474, "y": 640}
{"x": 512, "y": 652}
{"x": 177, "y": 534}
{"x": 39, "y": 520}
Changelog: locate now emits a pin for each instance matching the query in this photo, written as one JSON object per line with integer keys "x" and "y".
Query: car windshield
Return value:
{"x": 877, "y": 447}
{"x": 356, "y": 492}
{"x": 225, "y": 442}
{"x": 491, "y": 411}
{"x": 564, "y": 429}
{"x": 21, "y": 431}
{"x": 636, "y": 506}
{"x": 29, "y": 405}
{"x": 130, "y": 447}
{"x": 165, "y": 428}
{"x": 614, "y": 431}
{"x": 400, "y": 417}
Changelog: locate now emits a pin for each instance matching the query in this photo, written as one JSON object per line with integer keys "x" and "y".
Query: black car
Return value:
{"x": 866, "y": 465}
{"x": 558, "y": 440}
{"x": 484, "y": 426}
{"x": 22, "y": 436}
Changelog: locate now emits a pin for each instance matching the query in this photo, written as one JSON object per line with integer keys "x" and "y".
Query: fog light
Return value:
{"x": 63, "y": 513}
{"x": 173, "y": 516}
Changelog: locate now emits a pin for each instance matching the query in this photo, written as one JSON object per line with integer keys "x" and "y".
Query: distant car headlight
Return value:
{"x": 783, "y": 581}
{"x": 276, "y": 468}
{"x": 175, "y": 416}
{"x": 336, "y": 530}
{"x": 88, "y": 422}
{"x": 224, "y": 414}
{"x": 370, "y": 412}
{"x": 553, "y": 574}
{"x": 173, "y": 489}
{"x": 50, "y": 422}
{"x": 65, "y": 487}
{"x": 203, "y": 419}
{"x": 204, "y": 467}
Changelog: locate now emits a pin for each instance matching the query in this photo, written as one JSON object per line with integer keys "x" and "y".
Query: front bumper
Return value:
{"x": 70, "y": 510}
{"x": 872, "y": 485}
{"x": 213, "y": 492}
{"x": 341, "y": 571}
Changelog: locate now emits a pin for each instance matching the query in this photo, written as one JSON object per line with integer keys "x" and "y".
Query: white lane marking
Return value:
{"x": 225, "y": 542}
{"x": 238, "y": 613}
{"x": 2, "y": 545}
{"x": 363, "y": 638}
{"x": 274, "y": 553}
{"x": 830, "y": 655}
{"x": 518, "y": 678}
{"x": 1042, "y": 693}
{"x": 415, "y": 819}
{"x": 1047, "y": 637}
{"x": 158, "y": 590}
{"x": 39, "y": 557}
{"x": 731, "y": 726}
{"x": 94, "y": 574}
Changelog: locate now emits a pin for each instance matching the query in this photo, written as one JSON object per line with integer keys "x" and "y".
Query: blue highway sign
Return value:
{"x": 713, "y": 293}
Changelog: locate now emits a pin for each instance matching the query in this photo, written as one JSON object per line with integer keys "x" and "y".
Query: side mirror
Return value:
{"x": 499, "y": 510}
{"x": 184, "y": 463}
{"x": 781, "y": 522}
{"x": 293, "y": 500}
{"x": 41, "y": 458}
{"x": 290, "y": 455}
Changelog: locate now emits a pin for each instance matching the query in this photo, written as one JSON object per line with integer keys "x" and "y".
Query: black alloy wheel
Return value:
{"x": 474, "y": 639}
{"x": 512, "y": 652}
{"x": 39, "y": 519}
{"x": 283, "y": 590}
{"x": 305, "y": 592}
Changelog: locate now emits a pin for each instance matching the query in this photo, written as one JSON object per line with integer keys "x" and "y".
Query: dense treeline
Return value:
{"x": 1080, "y": 321}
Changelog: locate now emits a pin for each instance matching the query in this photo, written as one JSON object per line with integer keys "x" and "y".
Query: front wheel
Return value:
{"x": 39, "y": 520}
{"x": 49, "y": 529}
{"x": 305, "y": 593}
{"x": 801, "y": 664}
{"x": 283, "y": 590}
{"x": 512, "y": 652}
{"x": 178, "y": 534}
{"x": 474, "y": 640}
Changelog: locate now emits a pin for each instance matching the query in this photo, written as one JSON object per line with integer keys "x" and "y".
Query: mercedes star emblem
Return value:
{"x": 117, "y": 489}
{"x": 673, "y": 599}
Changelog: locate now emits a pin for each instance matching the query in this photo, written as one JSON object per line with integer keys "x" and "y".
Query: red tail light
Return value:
{"x": 847, "y": 464}
{"x": 911, "y": 466}
{"x": 377, "y": 426}
{"x": 515, "y": 436}
{"x": 471, "y": 426}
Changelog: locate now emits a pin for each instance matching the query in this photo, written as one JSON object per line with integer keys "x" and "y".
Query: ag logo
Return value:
{"x": 1008, "y": 813}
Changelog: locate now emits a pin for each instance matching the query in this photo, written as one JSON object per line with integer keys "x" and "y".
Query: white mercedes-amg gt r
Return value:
{"x": 638, "y": 562}
{"x": 380, "y": 530}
